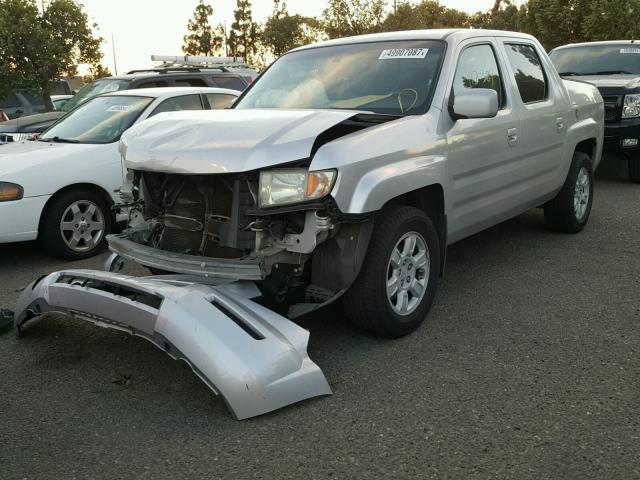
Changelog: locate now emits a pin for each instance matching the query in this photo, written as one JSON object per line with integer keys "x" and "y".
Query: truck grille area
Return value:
{"x": 201, "y": 214}
{"x": 612, "y": 108}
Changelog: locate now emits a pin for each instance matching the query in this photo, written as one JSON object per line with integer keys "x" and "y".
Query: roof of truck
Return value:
{"x": 434, "y": 34}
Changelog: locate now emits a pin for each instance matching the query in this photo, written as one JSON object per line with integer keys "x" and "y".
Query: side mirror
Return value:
{"x": 475, "y": 103}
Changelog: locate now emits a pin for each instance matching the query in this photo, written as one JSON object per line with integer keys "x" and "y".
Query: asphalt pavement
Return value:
{"x": 528, "y": 366}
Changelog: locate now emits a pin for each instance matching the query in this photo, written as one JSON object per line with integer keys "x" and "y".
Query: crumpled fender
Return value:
{"x": 254, "y": 358}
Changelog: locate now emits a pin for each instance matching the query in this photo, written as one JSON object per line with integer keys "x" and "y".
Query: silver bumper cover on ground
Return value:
{"x": 236, "y": 269}
{"x": 254, "y": 358}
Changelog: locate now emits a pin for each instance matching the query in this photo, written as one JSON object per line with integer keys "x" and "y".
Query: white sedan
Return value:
{"x": 60, "y": 188}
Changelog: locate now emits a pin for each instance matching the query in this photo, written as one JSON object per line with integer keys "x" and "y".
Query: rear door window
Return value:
{"x": 219, "y": 100}
{"x": 177, "y": 104}
{"x": 190, "y": 82}
{"x": 234, "y": 83}
{"x": 529, "y": 75}
{"x": 152, "y": 84}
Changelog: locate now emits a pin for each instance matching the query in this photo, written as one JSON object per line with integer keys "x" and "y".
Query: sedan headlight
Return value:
{"x": 10, "y": 191}
{"x": 631, "y": 107}
{"x": 287, "y": 186}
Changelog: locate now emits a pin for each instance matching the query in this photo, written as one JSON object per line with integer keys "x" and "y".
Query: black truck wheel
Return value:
{"x": 399, "y": 276}
{"x": 634, "y": 168}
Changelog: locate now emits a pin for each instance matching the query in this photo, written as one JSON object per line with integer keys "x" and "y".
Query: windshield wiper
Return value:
{"x": 59, "y": 140}
{"x": 570, "y": 74}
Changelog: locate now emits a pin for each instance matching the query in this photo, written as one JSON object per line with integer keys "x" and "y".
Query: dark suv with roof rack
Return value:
{"x": 614, "y": 68}
{"x": 25, "y": 127}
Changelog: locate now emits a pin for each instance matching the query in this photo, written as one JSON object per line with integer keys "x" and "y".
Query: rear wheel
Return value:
{"x": 75, "y": 224}
{"x": 634, "y": 168}
{"x": 569, "y": 211}
{"x": 399, "y": 276}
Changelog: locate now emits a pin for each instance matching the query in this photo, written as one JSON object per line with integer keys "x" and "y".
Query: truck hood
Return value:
{"x": 608, "y": 81}
{"x": 15, "y": 157}
{"x": 225, "y": 141}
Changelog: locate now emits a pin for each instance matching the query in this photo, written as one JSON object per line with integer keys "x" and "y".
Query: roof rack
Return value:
{"x": 198, "y": 61}
{"x": 169, "y": 69}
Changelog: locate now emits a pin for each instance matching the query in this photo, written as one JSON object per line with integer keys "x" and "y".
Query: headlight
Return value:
{"x": 631, "y": 108}
{"x": 10, "y": 191}
{"x": 286, "y": 186}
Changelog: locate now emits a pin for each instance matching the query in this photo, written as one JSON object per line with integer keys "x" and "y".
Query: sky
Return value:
{"x": 140, "y": 28}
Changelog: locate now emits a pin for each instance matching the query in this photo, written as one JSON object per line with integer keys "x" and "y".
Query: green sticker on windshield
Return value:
{"x": 403, "y": 53}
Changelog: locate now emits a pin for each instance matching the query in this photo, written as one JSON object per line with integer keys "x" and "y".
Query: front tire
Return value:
{"x": 569, "y": 211}
{"x": 399, "y": 277}
{"x": 75, "y": 225}
{"x": 634, "y": 168}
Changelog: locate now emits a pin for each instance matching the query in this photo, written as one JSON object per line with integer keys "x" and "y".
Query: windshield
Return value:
{"x": 394, "y": 78}
{"x": 100, "y": 120}
{"x": 95, "y": 88}
{"x": 597, "y": 59}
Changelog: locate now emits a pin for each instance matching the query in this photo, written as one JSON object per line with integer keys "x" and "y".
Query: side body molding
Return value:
{"x": 254, "y": 358}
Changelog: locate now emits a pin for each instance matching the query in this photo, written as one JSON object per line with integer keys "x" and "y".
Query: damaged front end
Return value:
{"x": 211, "y": 226}
{"x": 254, "y": 358}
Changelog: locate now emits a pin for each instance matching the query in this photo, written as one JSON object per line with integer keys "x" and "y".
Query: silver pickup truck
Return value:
{"x": 342, "y": 173}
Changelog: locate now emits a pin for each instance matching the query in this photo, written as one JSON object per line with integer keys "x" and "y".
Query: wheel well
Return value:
{"x": 76, "y": 186}
{"x": 430, "y": 200}
{"x": 588, "y": 147}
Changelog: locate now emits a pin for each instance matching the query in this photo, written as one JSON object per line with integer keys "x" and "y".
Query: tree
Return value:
{"x": 282, "y": 31}
{"x": 426, "y": 14}
{"x": 244, "y": 32}
{"x": 95, "y": 72}
{"x": 202, "y": 40}
{"x": 353, "y": 17}
{"x": 37, "y": 48}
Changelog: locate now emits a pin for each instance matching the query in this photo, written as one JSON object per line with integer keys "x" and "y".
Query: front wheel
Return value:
{"x": 75, "y": 224}
{"x": 569, "y": 211}
{"x": 399, "y": 276}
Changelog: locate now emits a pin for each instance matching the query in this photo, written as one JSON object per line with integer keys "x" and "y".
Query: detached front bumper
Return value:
{"x": 251, "y": 268}
{"x": 256, "y": 359}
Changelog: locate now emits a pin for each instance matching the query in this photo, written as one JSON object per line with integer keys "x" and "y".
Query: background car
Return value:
{"x": 150, "y": 78}
{"x": 614, "y": 68}
{"x": 60, "y": 189}
{"x": 24, "y": 103}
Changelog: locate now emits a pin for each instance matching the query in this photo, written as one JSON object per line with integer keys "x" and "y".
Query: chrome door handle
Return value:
{"x": 512, "y": 136}
{"x": 560, "y": 124}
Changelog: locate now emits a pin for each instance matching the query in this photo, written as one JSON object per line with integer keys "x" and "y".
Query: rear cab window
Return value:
{"x": 233, "y": 83}
{"x": 529, "y": 74}
{"x": 478, "y": 68}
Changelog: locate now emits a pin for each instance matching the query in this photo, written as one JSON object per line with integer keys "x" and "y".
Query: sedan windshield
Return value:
{"x": 100, "y": 120}
{"x": 94, "y": 88}
{"x": 597, "y": 59}
{"x": 395, "y": 78}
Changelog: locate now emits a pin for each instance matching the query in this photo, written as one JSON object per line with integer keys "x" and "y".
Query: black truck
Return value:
{"x": 614, "y": 68}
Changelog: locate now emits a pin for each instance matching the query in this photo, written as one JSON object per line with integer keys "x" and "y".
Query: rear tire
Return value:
{"x": 569, "y": 211}
{"x": 634, "y": 168}
{"x": 75, "y": 224}
{"x": 403, "y": 256}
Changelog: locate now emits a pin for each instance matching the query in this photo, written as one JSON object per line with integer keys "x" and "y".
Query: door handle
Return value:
{"x": 560, "y": 124}
{"x": 512, "y": 136}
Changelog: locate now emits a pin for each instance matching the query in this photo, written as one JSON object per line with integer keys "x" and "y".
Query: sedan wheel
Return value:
{"x": 82, "y": 226}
